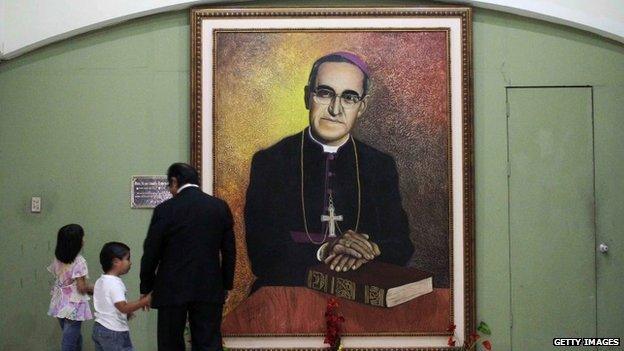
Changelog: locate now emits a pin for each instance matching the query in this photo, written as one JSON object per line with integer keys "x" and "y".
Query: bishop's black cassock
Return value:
{"x": 279, "y": 249}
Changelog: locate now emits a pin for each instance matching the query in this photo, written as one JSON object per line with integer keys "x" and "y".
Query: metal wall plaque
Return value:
{"x": 148, "y": 191}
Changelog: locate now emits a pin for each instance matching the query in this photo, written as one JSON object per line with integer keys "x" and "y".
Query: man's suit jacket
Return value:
{"x": 189, "y": 252}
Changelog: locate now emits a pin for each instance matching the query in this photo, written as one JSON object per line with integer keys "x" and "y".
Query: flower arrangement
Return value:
{"x": 333, "y": 324}
{"x": 471, "y": 342}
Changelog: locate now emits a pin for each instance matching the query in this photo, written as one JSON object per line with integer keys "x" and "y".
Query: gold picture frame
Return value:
{"x": 230, "y": 121}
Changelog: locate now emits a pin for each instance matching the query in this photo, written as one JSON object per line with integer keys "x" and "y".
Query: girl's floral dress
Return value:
{"x": 66, "y": 301}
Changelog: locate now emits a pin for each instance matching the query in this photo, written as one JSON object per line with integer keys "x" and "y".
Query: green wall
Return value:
{"x": 80, "y": 117}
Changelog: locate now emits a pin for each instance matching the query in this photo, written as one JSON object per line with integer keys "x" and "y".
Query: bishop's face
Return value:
{"x": 336, "y": 101}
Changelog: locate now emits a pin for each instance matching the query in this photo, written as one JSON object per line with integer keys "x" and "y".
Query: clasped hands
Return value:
{"x": 146, "y": 301}
{"x": 350, "y": 251}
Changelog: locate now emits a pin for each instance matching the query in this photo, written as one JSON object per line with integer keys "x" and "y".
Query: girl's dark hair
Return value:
{"x": 68, "y": 243}
{"x": 111, "y": 251}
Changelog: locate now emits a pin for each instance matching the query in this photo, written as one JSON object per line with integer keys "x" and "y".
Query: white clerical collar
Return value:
{"x": 327, "y": 148}
{"x": 187, "y": 185}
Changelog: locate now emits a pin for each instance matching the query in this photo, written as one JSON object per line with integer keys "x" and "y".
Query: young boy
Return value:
{"x": 111, "y": 331}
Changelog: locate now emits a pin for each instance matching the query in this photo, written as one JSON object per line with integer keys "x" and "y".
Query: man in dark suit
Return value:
{"x": 188, "y": 262}
{"x": 322, "y": 182}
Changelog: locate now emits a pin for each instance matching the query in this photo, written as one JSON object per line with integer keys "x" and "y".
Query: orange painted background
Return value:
{"x": 259, "y": 99}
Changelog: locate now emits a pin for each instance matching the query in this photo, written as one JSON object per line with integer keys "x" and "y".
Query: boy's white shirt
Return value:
{"x": 108, "y": 290}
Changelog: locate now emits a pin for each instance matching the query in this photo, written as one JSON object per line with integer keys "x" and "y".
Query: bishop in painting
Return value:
{"x": 321, "y": 195}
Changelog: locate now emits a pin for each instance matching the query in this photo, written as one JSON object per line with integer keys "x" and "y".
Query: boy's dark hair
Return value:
{"x": 68, "y": 243}
{"x": 184, "y": 173}
{"x": 110, "y": 251}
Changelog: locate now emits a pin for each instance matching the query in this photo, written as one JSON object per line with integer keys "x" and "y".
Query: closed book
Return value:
{"x": 375, "y": 283}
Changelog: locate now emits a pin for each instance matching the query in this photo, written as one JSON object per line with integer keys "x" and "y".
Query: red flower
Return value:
{"x": 332, "y": 303}
{"x": 451, "y": 328}
{"x": 488, "y": 345}
{"x": 451, "y": 342}
{"x": 474, "y": 337}
{"x": 332, "y": 322}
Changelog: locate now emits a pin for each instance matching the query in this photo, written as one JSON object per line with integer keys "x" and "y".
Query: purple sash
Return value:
{"x": 302, "y": 237}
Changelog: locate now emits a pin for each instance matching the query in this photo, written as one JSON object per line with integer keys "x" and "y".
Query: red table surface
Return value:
{"x": 298, "y": 310}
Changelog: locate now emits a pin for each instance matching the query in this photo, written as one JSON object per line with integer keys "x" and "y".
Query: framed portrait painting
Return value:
{"x": 342, "y": 140}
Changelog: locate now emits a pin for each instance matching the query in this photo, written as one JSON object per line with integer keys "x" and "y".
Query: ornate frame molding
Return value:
{"x": 197, "y": 15}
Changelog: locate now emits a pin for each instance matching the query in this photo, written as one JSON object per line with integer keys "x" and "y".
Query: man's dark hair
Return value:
{"x": 184, "y": 173}
{"x": 334, "y": 58}
{"x": 68, "y": 243}
{"x": 110, "y": 251}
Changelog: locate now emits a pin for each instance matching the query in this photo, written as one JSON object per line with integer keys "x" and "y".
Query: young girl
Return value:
{"x": 70, "y": 303}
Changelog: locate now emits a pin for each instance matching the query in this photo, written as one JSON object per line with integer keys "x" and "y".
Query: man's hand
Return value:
{"x": 343, "y": 263}
{"x": 356, "y": 245}
{"x": 351, "y": 251}
{"x": 147, "y": 299}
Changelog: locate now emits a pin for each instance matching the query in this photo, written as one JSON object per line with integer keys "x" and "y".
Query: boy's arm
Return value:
{"x": 83, "y": 286}
{"x": 129, "y": 307}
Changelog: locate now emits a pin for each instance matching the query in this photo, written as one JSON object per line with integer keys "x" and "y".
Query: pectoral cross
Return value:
{"x": 331, "y": 218}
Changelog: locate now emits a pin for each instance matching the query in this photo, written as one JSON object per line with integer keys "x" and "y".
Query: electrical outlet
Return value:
{"x": 35, "y": 204}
